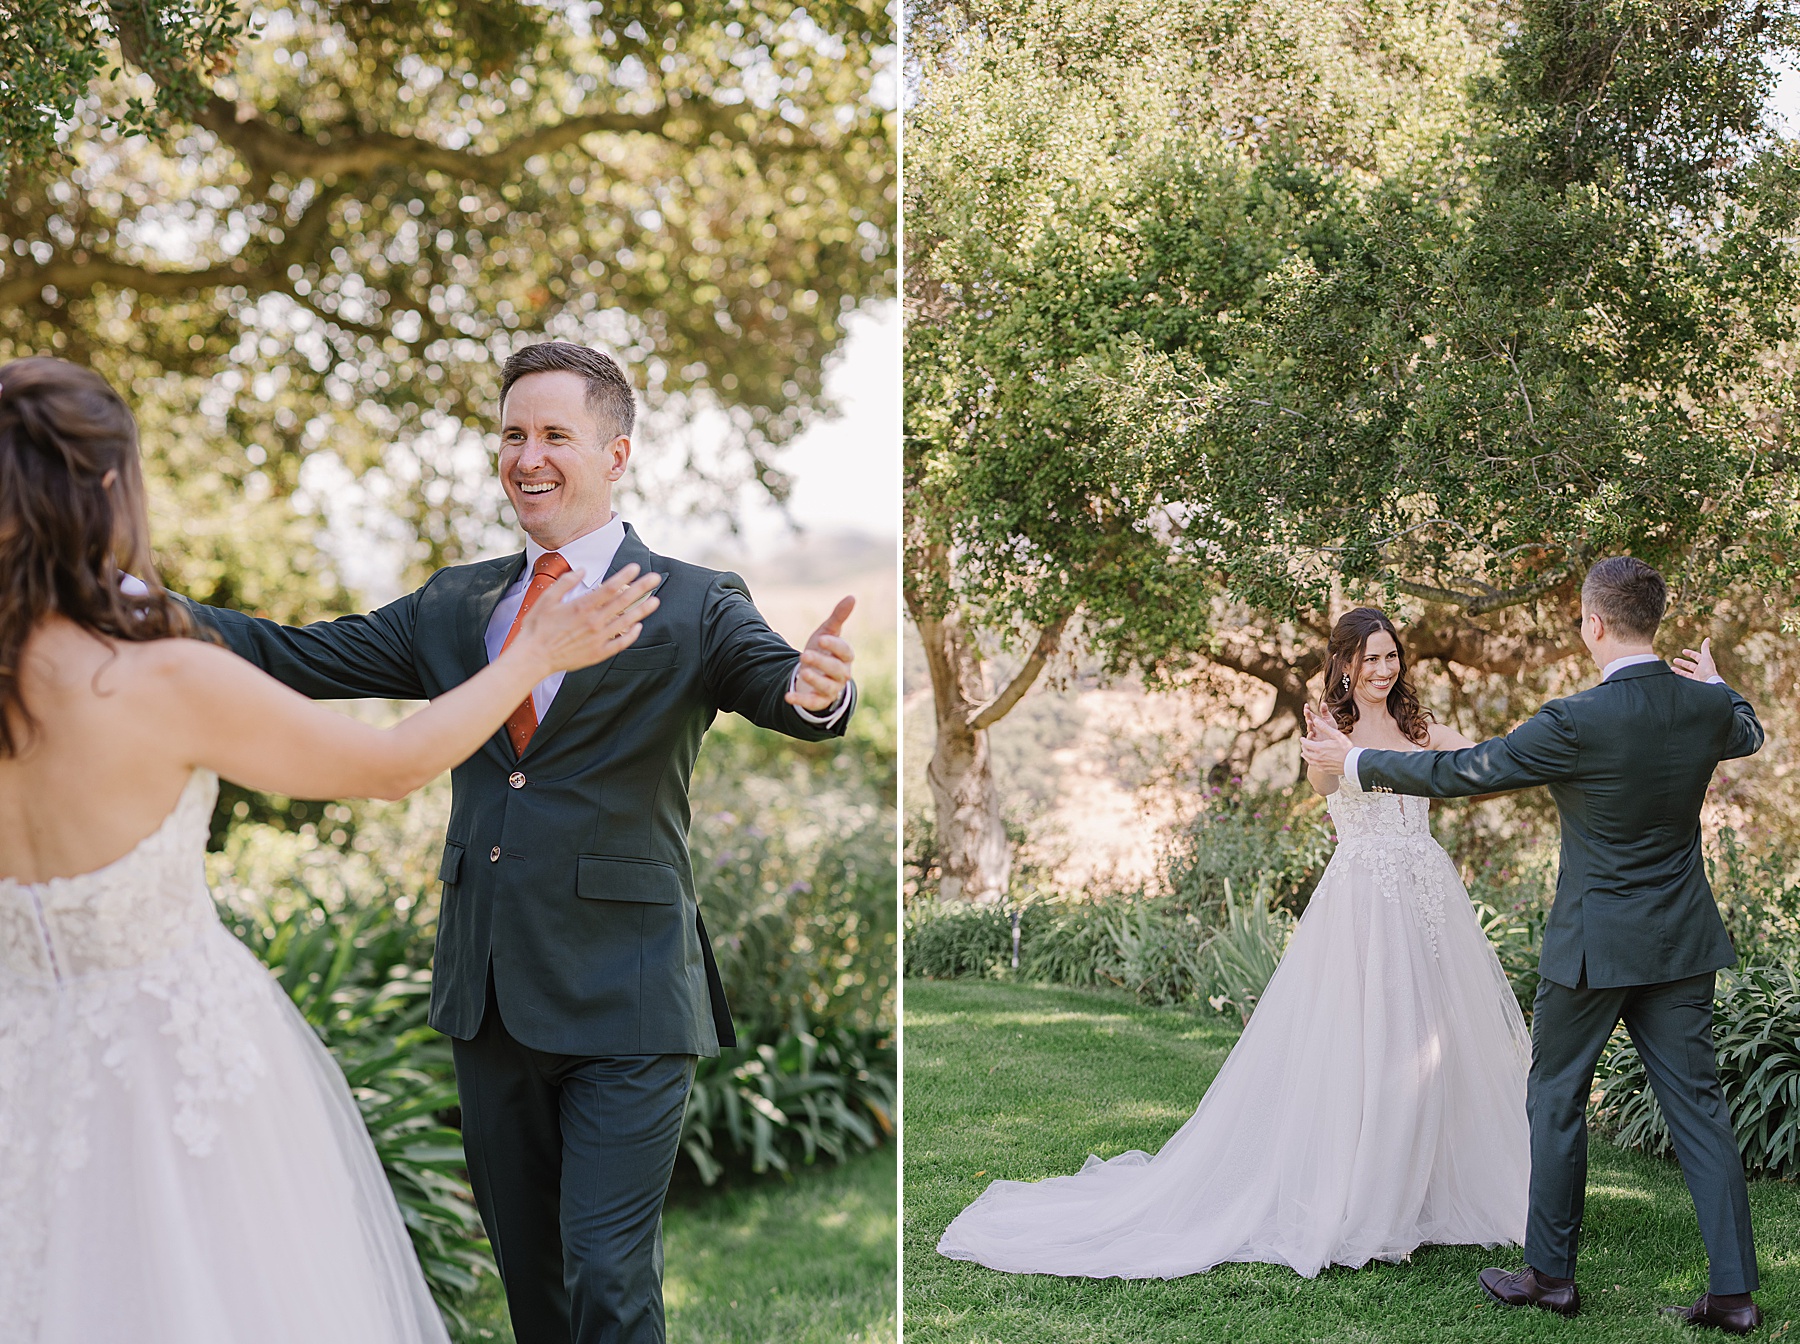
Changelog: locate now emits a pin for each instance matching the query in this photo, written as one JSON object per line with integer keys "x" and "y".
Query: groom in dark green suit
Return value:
{"x": 573, "y": 970}
{"x": 1634, "y": 932}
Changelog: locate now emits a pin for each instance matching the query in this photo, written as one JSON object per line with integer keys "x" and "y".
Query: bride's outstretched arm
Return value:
{"x": 1323, "y": 779}
{"x": 243, "y": 724}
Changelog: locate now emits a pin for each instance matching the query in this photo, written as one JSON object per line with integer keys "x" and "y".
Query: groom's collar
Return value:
{"x": 1633, "y": 665}
{"x": 592, "y": 552}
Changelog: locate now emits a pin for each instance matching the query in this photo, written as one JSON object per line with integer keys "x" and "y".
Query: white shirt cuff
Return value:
{"x": 1715, "y": 680}
{"x": 1351, "y": 782}
{"x": 830, "y": 717}
{"x": 132, "y": 586}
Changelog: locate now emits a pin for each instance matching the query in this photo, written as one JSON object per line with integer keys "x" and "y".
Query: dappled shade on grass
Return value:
{"x": 1016, "y": 1082}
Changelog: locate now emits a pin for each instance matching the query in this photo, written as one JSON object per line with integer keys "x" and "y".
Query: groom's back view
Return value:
{"x": 1634, "y": 933}
{"x": 572, "y": 969}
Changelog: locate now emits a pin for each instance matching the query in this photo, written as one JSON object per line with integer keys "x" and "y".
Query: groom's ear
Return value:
{"x": 618, "y": 453}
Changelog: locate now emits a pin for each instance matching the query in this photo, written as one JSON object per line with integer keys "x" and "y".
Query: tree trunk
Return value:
{"x": 973, "y": 850}
{"x": 972, "y": 846}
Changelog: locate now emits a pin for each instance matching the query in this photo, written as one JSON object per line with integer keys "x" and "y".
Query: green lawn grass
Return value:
{"x": 806, "y": 1261}
{"x": 1024, "y": 1082}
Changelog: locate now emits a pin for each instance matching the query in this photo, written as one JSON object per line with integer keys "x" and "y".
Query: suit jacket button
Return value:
{"x": 494, "y": 854}
{"x": 516, "y": 779}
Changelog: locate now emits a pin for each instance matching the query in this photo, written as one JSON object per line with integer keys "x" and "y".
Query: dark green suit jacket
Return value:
{"x": 1628, "y": 763}
{"x": 566, "y": 869}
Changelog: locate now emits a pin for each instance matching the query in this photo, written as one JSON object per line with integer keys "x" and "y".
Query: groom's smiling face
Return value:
{"x": 558, "y": 461}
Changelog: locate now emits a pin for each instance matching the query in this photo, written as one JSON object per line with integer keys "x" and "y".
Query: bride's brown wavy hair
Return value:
{"x": 1343, "y": 658}
{"x": 72, "y": 521}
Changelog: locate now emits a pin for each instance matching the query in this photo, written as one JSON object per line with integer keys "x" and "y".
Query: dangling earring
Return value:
{"x": 1346, "y": 681}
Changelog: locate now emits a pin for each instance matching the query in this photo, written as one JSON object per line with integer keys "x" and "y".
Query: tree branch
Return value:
{"x": 986, "y": 716}
{"x": 1479, "y": 604}
{"x": 267, "y": 149}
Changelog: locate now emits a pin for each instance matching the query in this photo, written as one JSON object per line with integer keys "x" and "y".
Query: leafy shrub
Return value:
{"x": 948, "y": 940}
{"x": 1756, "y": 1026}
{"x": 793, "y": 851}
{"x": 1757, "y": 896}
{"x": 1246, "y": 951}
{"x": 769, "y": 1105}
{"x": 1157, "y": 948}
{"x": 1276, "y": 839}
{"x": 1068, "y": 943}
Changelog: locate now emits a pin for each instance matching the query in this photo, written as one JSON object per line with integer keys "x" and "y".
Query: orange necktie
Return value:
{"x": 549, "y": 568}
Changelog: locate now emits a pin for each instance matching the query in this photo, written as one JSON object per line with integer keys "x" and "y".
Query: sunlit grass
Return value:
{"x": 807, "y": 1261}
{"x": 1022, "y": 1082}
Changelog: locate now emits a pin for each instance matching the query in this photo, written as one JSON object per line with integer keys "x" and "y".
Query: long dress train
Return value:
{"x": 1374, "y": 1103}
{"x": 181, "y": 1161}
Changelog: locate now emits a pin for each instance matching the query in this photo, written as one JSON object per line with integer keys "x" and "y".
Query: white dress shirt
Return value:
{"x": 593, "y": 554}
{"x": 1354, "y": 784}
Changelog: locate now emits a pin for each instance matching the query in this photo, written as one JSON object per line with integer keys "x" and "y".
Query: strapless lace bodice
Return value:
{"x": 85, "y": 959}
{"x": 145, "y": 906}
{"x": 1387, "y": 816}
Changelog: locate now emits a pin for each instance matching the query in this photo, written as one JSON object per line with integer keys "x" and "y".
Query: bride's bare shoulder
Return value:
{"x": 136, "y": 669}
{"x": 1445, "y": 738}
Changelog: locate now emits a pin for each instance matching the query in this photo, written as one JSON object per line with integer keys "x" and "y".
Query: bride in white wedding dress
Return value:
{"x": 181, "y": 1161}
{"x": 1376, "y": 1100}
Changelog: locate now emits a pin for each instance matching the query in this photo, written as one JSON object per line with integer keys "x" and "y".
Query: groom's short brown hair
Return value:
{"x": 609, "y": 394}
{"x": 1629, "y": 595}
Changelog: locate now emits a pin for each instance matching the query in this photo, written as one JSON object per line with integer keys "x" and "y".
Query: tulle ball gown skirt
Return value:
{"x": 1375, "y": 1103}
{"x": 181, "y": 1161}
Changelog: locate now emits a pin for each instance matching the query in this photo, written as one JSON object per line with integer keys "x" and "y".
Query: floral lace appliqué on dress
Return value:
{"x": 180, "y": 1159}
{"x": 1392, "y": 832}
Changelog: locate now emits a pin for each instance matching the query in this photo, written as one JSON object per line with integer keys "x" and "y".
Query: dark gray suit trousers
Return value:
{"x": 570, "y": 1157}
{"x": 1671, "y": 1025}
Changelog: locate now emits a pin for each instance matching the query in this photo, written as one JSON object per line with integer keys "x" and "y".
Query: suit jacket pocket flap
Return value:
{"x": 644, "y": 657}
{"x": 452, "y": 864}
{"x": 642, "y": 880}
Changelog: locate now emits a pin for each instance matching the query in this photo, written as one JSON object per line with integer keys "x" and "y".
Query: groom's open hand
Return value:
{"x": 1696, "y": 664}
{"x": 824, "y": 663}
{"x": 1325, "y": 745}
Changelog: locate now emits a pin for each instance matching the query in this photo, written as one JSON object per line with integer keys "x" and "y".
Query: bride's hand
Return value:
{"x": 1696, "y": 665}
{"x": 590, "y": 627}
{"x": 1325, "y": 745}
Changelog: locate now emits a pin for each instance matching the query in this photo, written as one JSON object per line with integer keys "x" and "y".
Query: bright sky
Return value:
{"x": 1786, "y": 102}
{"x": 846, "y": 469}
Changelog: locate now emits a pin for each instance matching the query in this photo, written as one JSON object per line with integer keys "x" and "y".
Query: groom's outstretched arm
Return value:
{"x": 346, "y": 659}
{"x": 750, "y": 668}
{"x": 1541, "y": 750}
{"x": 1746, "y": 729}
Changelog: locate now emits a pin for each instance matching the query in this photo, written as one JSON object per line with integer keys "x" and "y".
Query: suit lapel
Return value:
{"x": 487, "y": 584}
{"x": 580, "y": 684}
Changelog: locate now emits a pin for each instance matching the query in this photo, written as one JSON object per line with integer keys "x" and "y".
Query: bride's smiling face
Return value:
{"x": 1378, "y": 669}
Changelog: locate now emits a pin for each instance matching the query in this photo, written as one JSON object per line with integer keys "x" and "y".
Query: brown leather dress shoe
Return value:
{"x": 1710, "y": 1311}
{"x": 1528, "y": 1288}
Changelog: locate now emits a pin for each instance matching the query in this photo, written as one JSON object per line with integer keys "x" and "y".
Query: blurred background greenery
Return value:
{"x": 301, "y": 239}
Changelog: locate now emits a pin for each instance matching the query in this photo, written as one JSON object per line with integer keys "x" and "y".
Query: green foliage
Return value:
{"x": 793, "y": 850}
{"x": 1159, "y": 950}
{"x": 948, "y": 939}
{"x": 777, "y": 1104}
{"x": 1254, "y": 838}
{"x": 1758, "y": 895}
{"x": 1756, "y": 1028}
{"x": 1221, "y": 314}
{"x": 306, "y": 286}
{"x": 52, "y": 51}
